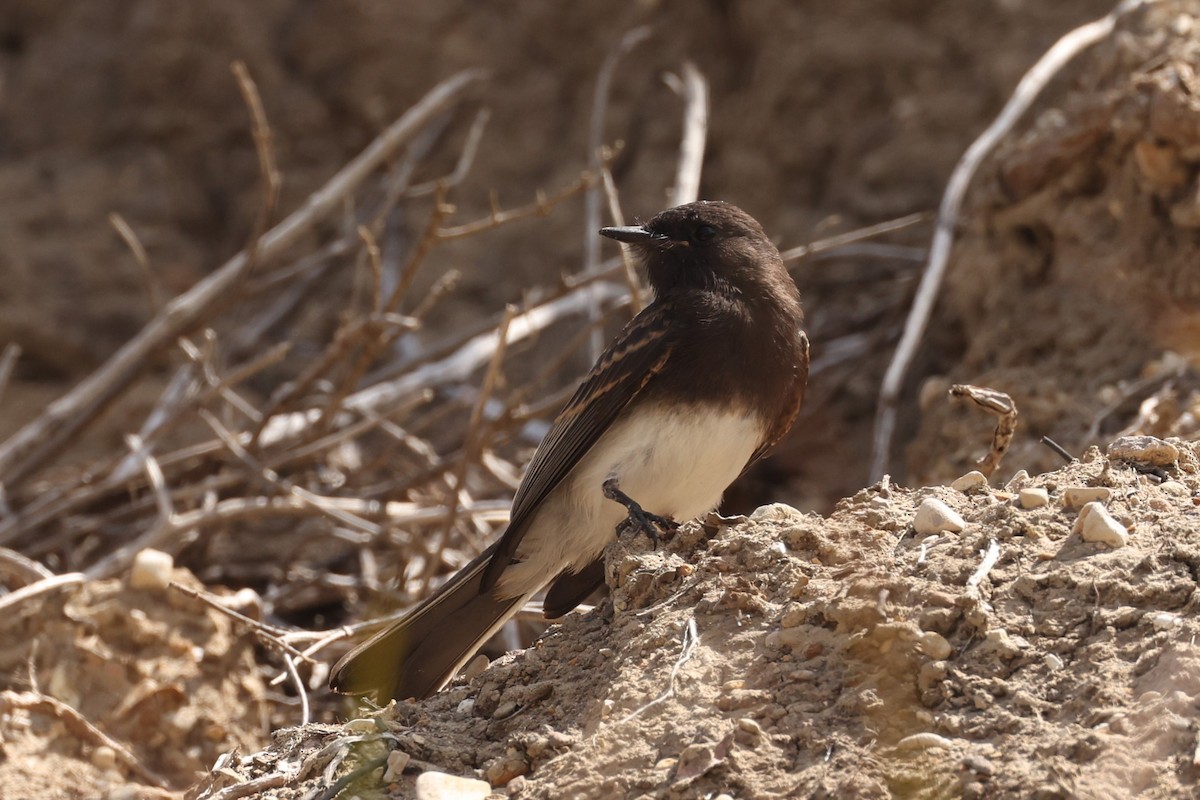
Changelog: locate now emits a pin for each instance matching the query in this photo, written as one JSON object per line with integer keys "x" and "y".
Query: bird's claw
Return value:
{"x": 638, "y": 519}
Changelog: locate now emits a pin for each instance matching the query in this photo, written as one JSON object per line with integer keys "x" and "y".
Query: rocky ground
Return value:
{"x": 860, "y": 646}
{"x": 870, "y": 653}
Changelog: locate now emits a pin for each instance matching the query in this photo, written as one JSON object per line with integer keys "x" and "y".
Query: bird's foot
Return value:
{"x": 638, "y": 518}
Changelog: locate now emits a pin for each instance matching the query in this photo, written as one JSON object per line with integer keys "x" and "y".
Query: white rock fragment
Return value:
{"x": 1079, "y": 496}
{"x": 1053, "y": 661}
{"x": 475, "y": 667}
{"x": 104, "y": 757}
{"x": 1144, "y": 450}
{"x": 924, "y": 741}
{"x": 440, "y": 786}
{"x": 1175, "y": 489}
{"x": 1033, "y": 497}
{"x": 1019, "y": 479}
{"x": 397, "y": 760}
{"x": 1095, "y": 524}
{"x": 999, "y": 642}
{"x": 934, "y": 645}
{"x": 776, "y": 512}
{"x": 151, "y": 570}
{"x": 1165, "y": 620}
{"x": 971, "y": 481}
{"x": 934, "y": 516}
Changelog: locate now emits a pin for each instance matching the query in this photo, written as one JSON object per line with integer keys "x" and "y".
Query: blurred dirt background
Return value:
{"x": 1073, "y": 287}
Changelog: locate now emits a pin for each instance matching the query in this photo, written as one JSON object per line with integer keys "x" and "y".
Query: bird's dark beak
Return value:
{"x": 630, "y": 234}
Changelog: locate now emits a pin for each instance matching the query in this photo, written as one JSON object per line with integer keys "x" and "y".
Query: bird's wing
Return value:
{"x": 620, "y": 374}
{"x": 783, "y": 422}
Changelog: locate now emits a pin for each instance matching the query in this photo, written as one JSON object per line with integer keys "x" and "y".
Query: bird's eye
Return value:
{"x": 704, "y": 233}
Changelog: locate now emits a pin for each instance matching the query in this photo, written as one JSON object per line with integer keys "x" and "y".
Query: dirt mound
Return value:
{"x": 848, "y": 656}
{"x": 122, "y": 686}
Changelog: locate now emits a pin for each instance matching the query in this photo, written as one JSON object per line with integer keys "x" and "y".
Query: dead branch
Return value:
{"x": 13, "y": 599}
{"x": 473, "y": 441}
{"x": 693, "y": 88}
{"x": 36, "y": 442}
{"x": 24, "y": 568}
{"x": 629, "y": 273}
{"x": 843, "y": 239}
{"x": 154, "y": 290}
{"x": 8, "y": 362}
{"x": 542, "y": 205}
{"x": 597, "y": 159}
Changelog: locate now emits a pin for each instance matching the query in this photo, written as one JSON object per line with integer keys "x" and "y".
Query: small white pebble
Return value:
{"x": 999, "y": 642}
{"x": 969, "y": 482}
{"x": 397, "y": 760}
{"x": 1095, "y": 524}
{"x": 475, "y": 667}
{"x": 749, "y": 725}
{"x": 1144, "y": 450}
{"x": 1019, "y": 479}
{"x": 126, "y": 792}
{"x": 104, "y": 757}
{"x": 151, "y": 570}
{"x": 934, "y": 645}
{"x": 465, "y": 708}
{"x": 775, "y": 512}
{"x": 934, "y": 516}
{"x": 1080, "y": 496}
{"x": 1033, "y": 497}
{"x": 924, "y": 741}
{"x": 1165, "y": 620}
{"x": 245, "y": 601}
{"x": 1174, "y": 488}
{"x": 1053, "y": 661}
{"x": 440, "y": 786}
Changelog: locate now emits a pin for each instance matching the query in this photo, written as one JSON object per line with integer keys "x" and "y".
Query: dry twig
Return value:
{"x": 1005, "y": 410}
{"x": 35, "y": 443}
{"x": 693, "y": 88}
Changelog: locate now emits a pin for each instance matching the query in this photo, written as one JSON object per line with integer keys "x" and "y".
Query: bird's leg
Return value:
{"x": 648, "y": 523}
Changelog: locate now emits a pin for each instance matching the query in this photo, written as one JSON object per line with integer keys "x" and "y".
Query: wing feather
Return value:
{"x": 620, "y": 374}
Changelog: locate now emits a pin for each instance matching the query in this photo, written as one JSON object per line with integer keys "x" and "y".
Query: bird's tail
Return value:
{"x": 417, "y": 655}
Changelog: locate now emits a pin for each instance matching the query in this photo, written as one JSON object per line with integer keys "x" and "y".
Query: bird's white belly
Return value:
{"x": 673, "y": 462}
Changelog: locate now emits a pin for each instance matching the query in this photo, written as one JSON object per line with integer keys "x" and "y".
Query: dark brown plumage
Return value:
{"x": 701, "y": 384}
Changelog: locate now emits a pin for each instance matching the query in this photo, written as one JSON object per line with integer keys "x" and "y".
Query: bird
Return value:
{"x": 699, "y": 385}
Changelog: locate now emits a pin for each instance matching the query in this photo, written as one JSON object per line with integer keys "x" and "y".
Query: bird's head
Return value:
{"x": 704, "y": 245}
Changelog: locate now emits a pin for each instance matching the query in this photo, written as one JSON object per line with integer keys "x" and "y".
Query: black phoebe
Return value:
{"x": 698, "y": 386}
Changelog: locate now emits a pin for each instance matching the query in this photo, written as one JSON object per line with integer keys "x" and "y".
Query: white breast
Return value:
{"x": 675, "y": 463}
